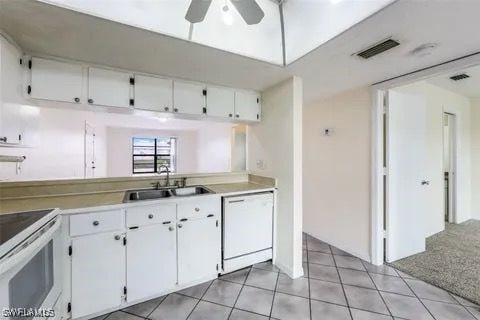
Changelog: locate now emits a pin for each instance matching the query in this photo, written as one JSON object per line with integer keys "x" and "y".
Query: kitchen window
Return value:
{"x": 148, "y": 154}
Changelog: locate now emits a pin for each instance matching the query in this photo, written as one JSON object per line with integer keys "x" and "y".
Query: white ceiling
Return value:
{"x": 469, "y": 87}
{"x": 325, "y": 19}
{"x": 327, "y": 70}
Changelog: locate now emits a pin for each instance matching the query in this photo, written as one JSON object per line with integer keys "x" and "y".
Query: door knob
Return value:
{"x": 425, "y": 183}
{"x": 96, "y": 223}
{"x": 77, "y": 100}
{"x": 150, "y": 216}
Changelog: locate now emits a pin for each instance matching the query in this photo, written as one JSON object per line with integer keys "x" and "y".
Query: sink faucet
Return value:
{"x": 167, "y": 170}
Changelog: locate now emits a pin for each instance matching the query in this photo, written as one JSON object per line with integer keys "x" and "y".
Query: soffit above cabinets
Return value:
{"x": 286, "y": 32}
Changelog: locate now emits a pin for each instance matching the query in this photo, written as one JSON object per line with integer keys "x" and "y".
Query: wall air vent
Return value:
{"x": 378, "y": 48}
{"x": 459, "y": 77}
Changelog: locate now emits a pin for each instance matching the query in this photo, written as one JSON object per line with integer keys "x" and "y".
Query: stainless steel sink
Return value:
{"x": 152, "y": 194}
{"x": 137, "y": 195}
{"x": 190, "y": 191}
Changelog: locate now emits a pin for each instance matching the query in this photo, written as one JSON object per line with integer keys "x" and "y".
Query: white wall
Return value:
{"x": 214, "y": 148}
{"x": 277, "y": 143}
{"x": 336, "y": 171}
{"x": 439, "y": 101}
{"x": 475, "y": 152}
{"x": 58, "y": 151}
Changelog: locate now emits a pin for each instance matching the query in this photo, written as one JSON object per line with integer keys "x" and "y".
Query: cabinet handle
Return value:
{"x": 77, "y": 100}
{"x": 210, "y": 215}
{"x": 184, "y": 219}
{"x": 96, "y": 223}
{"x": 179, "y": 225}
{"x": 90, "y": 100}
{"x": 166, "y": 222}
{"x": 3, "y": 139}
{"x": 150, "y": 216}
{"x": 170, "y": 228}
{"x": 117, "y": 237}
{"x": 237, "y": 116}
{"x": 175, "y": 109}
{"x": 197, "y": 209}
{"x": 166, "y": 108}
{"x": 235, "y": 201}
{"x": 230, "y": 115}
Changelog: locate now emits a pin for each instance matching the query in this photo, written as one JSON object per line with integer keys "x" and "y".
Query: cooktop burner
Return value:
{"x": 13, "y": 223}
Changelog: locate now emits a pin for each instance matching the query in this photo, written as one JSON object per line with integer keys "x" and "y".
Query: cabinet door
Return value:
{"x": 220, "y": 102}
{"x": 54, "y": 80}
{"x": 198, "y": 249}
{"x": 151, "y": 260}
{"x": 11, "y": 95}
{"x": 247, "y": 106}
{"x": 154, "y": 94}
{"x": 109, "y": 87}
{"x": 188, "y": 97}
{"x": 98, "y": 273}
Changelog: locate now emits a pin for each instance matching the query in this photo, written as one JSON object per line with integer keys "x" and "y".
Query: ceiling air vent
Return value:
{"x": 460, "y": 77}
{"x": 378, "y": 48}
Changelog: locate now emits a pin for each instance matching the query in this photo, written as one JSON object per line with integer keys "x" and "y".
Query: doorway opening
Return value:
{"x": 449, "y": 165}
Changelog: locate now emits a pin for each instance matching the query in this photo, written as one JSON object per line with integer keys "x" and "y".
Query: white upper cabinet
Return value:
{"x": 109, "y": 88}
{"x": 188, "y": 97}
{"x": 54, "y": 80}
{"x": 18, "y": 120}
{"x": 152, "y": 93}
{"x": 247, "y": 106}
{"x": 220, "y": 102}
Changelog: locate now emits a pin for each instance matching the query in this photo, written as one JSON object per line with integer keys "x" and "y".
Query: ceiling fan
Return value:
{"x": 249, "y": 10}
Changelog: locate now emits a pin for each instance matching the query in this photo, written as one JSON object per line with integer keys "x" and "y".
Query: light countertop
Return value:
{"x": 107, "y": 198}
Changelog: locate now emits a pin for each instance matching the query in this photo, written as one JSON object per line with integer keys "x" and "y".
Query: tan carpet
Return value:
{"x": 452, "y": 260}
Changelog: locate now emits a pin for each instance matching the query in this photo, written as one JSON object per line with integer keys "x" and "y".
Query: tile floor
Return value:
{"x": 336, "y": 286}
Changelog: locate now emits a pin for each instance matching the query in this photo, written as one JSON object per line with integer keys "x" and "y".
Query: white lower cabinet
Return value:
{"x": 151, "y": 260}
{"x": 119, "y": 259}
{"x": 98, "y": 273}
{"x": 198, "y": 249}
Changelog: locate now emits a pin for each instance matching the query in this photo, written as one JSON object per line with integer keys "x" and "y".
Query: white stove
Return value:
{"x": 30, "y": 270}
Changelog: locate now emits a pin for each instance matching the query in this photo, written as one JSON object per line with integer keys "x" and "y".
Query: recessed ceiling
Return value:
{"x": 468, "y": 87}
{"x": 330, "y": 69}
{"x": 280, "y": 37}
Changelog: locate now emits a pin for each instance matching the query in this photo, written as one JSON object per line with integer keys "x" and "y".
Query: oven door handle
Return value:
{"x": 13, "y": 260}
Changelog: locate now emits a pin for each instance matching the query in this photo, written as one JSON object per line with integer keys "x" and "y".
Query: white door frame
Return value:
{"x": 453, "y": 155}
{"x": 378, "y": 91}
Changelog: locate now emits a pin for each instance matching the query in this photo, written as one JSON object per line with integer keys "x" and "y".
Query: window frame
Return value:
{"x": 155, "y": 155}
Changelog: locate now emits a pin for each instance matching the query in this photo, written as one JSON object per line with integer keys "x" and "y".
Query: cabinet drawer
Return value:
{"x": 199, "y": 208}
{"x": 146, "y": 215}
{"x": 96, "y": 222}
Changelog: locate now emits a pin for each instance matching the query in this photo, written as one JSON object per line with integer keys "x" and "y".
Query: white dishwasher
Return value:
{"x": 247, "y": 230}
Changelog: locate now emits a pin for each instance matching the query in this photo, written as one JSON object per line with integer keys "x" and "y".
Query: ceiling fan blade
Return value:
{"x": 249, "y": 10}
{"x": 197, "y": 10}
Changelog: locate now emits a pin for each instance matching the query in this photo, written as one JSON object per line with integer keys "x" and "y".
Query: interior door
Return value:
{"x": 198, "y": 249}
{"x": 406, "y": 191}
{"x": 151, "y": 260}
